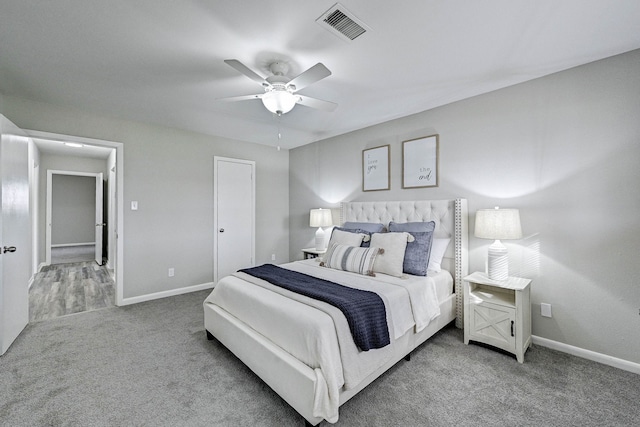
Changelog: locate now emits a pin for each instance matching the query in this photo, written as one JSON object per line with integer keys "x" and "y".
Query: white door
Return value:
{"x": 15, "y": 233}
{"x": 99, "y": 217}
{"x": 234, "y": 216}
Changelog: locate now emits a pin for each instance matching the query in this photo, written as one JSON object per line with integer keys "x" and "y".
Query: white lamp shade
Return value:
{"x": 498, "y": 224}
{"x": 279, "y": 101}
{"x": 320, "y": 218}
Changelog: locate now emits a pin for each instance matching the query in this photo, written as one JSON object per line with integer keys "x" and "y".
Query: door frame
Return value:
{"x": 252, "y": 163}
{"x": 118, "y": 263}
{"x": 99, "y": 177}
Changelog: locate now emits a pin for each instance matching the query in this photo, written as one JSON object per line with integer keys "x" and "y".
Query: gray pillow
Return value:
{"x": 417, "y": 253}
{"x": 371, "y": 227}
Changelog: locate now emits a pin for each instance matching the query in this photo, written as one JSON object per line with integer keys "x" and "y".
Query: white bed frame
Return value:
{"x": 294, "y": 381}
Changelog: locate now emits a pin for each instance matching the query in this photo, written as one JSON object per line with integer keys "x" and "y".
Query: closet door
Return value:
{"x": 15, "y": 233}
{"x": 234, "y": 216}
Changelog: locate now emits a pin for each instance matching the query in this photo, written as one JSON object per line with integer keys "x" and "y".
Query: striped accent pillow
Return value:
{"x": 350, "y": 258}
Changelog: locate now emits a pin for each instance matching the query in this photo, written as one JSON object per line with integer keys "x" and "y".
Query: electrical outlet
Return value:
{"x": 172, "y": 272}
{"x": 273, "y": 257}
{"x": 545, "y": 310}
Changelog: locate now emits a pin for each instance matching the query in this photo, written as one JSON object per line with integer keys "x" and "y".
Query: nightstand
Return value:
{"x": 498, "y": 313}
{"x": 312, "y": 253}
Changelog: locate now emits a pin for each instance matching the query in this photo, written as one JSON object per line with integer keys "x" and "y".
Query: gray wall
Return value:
{"x": 73, "y": 209}
{"x": 170, "y": 173}
{"x": 564, "y": 149}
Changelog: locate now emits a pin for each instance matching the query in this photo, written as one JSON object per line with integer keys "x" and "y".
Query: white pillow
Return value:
{"x": 350, "y": 258}
{"x": 339, "y": 237}
{"x": 391, "y": 260}
{"x": 438, "y": 248}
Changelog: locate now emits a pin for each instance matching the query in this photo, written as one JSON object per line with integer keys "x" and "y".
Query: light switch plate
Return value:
{"x": 134, "y": 205}
{"x": 545, "y": 310}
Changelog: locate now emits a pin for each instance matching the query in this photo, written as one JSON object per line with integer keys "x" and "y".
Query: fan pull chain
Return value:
{"x": 279, "y": 134}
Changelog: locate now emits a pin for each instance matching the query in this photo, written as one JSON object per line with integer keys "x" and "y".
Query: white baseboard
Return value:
{"x": 69, "y": 245}
{"x": 588, "y": 354}
{"x": 164, "y": 294}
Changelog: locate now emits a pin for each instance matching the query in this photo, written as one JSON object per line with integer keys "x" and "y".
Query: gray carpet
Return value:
{"x": 150, "y": 364}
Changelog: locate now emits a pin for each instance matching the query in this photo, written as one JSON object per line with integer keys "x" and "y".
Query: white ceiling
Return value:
{"x": 161, "y": 61}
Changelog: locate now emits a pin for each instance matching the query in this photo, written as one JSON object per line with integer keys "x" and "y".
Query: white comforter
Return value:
{"x": 317, "y": 333}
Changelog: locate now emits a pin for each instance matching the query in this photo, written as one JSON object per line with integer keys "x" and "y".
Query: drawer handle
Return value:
{"x": 512, "y": 329}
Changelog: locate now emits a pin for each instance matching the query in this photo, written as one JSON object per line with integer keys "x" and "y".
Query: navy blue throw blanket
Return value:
{"x": 364, "y": 310}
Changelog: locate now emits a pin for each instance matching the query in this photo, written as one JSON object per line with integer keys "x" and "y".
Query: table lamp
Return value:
{"x": 320, "y": 218}
{"x": 498, "y": 224}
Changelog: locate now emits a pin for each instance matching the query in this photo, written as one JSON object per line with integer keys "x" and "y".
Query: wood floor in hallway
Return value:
{"x": 62, "y": 289}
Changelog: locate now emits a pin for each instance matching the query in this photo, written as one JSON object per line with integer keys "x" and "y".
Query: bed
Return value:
{"x": 299, "y": 347}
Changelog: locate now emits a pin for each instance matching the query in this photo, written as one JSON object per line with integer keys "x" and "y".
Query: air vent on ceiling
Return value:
{"x": 339, "y": 21}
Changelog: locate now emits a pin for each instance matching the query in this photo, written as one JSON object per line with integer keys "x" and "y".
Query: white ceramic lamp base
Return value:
{"x": 319, "y": 239}
{"x": 497, "y": 261}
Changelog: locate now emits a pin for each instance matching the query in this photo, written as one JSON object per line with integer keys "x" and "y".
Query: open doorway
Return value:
{"x": 78, "y": 152}
{"x": 76, "y": 223}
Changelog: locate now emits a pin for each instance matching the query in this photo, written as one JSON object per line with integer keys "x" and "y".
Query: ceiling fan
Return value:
{"x": 280, "y": 92}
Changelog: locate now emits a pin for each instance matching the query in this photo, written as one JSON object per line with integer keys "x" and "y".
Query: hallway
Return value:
{"x": 59, "y": 290}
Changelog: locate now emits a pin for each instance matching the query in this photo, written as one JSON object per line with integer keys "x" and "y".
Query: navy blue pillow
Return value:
{"x": 416, "y": 256}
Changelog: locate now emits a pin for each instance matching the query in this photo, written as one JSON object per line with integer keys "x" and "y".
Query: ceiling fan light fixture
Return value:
{"x": 279, "y": 101}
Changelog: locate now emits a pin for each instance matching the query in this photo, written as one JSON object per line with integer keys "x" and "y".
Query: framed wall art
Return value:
{"x": 376, "y": 168}
{"x": 420, "y": 162}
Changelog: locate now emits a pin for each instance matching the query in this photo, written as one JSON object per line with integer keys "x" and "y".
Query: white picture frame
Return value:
{"x": 376, "y": 170}
{"x": 420, "y": 162}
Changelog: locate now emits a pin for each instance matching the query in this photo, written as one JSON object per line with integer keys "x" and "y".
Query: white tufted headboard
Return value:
{"x": 451, "y": 218}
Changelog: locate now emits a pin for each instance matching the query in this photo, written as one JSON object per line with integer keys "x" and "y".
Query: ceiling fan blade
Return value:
{"x": 240, "y": 98}
{"x": 312, "y": 75}
{"x": 316, "y": 103}
{"x": 239, "y": 66}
